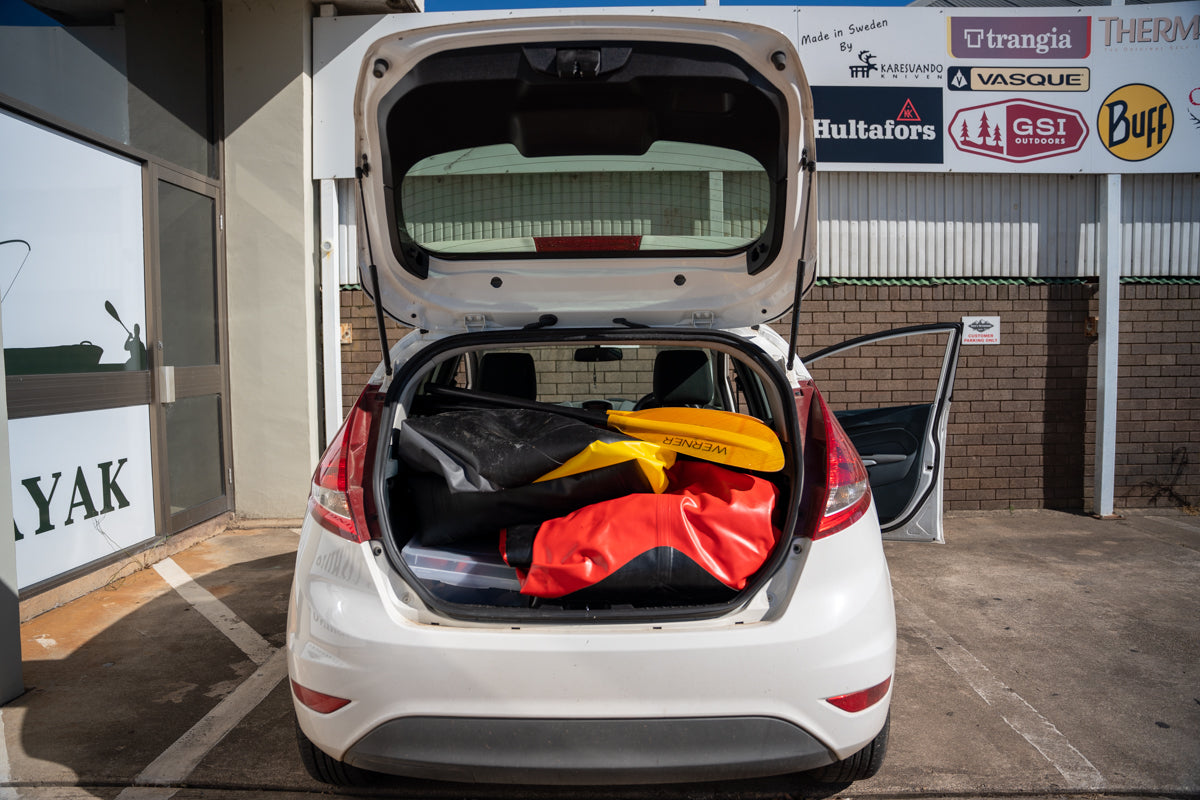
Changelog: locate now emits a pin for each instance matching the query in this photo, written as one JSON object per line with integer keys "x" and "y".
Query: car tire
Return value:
{"x": 859, "y": 766}
{"x": 327, "y": 769}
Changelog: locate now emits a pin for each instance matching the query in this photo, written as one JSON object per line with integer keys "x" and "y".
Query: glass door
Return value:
{"x": 188, "y": 354}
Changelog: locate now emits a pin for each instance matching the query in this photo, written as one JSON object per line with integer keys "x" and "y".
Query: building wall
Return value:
{"x": 1158, "y": 396}
{"x": 1019, "y": 431}
{"x": 270, "y": 254}
{"x": 1022, "y": 427}
{"x": 1022, "y": 424}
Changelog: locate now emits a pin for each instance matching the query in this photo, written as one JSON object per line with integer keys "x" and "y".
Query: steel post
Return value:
{"x": 1106, "y": 354}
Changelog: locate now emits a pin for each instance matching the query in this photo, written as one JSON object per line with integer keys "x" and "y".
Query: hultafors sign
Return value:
{"x": 861, "y": 124}
{"x": 1018, "y": 130}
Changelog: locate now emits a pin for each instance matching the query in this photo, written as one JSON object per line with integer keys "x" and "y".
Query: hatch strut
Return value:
{"x": 801, "y": 266}
{"x": 359, "y": 172}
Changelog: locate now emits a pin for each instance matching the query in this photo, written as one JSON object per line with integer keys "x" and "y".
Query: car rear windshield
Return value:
{"x": 675, "y": 196}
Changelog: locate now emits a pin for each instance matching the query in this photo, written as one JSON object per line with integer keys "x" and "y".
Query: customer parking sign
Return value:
{"x": 981, "y": 330}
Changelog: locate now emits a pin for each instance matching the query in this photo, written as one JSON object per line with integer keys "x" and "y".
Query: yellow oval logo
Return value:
{"x": 1135, "y": 122}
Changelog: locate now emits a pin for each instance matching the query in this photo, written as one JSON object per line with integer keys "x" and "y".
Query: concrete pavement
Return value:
{"x": 1040, "y": 653}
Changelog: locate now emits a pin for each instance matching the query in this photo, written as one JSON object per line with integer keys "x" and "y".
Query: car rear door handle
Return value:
{"x": 873, "y": 460}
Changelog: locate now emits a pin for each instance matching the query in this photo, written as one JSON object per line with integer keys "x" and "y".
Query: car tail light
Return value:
{"x": 338, "y": 501}
{"x": 318, "y": 701}
{"x": 860, "y": 701}
{"x": 586, "y": 244}
{"x": 847, "y": 488}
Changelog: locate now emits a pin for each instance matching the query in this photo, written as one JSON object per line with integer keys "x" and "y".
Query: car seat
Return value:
{"x": 681, "y": 378}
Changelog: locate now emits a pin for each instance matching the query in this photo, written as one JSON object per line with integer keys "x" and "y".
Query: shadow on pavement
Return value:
{"x": 115, "y": 678}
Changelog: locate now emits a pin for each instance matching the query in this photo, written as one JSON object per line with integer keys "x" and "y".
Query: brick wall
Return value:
{"x": 1019, "y": 422}
{"x": 1022, "y": 424}
{"x": 1158, "y": 396}
{"x": 362, "y": 354}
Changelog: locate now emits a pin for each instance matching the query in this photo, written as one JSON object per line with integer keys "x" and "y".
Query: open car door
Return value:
{"x": 891, "y": 393}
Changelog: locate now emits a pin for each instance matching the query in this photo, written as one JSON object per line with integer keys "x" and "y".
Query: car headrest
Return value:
{"x": 511, "y": 374}
{"x": 683, "y": 378}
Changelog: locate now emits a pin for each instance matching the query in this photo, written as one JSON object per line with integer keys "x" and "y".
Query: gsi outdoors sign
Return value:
{"x": 1018, "y": 130}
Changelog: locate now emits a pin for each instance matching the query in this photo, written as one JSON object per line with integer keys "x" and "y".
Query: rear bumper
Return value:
{"x": 624, "y": 703}
{"x": 592, "y": 751}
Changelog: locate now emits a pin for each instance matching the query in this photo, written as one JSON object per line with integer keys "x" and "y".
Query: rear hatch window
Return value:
{"x": 676, "y": 196}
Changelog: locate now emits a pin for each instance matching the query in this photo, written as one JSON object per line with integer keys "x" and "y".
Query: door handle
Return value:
{"x": 164, "y": 384}
{"x": 873, "y": 460}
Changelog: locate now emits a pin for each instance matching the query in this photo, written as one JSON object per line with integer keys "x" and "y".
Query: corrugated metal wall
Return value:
{"x": 942, "y": 225}
{"x": 1160, "y": 218}
{"x": 347, "y": 232}
{"x": 935, "y": 225}
{"x": 464, "y": 208}
{"x": 948, "y": 226}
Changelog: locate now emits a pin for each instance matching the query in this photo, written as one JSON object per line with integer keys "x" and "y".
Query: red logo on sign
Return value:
{"x": 1018, "y": 130}
{"x": 908, "y": 113}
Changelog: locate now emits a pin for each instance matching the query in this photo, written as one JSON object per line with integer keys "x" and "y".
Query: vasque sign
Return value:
{"x": 1029, "y": 79}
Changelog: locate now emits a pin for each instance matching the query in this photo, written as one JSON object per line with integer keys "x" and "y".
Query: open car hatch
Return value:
{"x": 595, "y": 169}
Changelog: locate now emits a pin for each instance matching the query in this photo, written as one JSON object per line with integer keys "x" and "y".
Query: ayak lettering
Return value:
{"x": 81, "y": 496}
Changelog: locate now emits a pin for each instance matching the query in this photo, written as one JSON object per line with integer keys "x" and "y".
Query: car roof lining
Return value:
{"x": 661, "y": 91}
{"x": 657, "y": 91}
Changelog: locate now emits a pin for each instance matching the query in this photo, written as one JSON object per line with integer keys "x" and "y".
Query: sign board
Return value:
{"x": 1100, "y": 90}
{"x": 1107, "y": 89}
{"x": 981, "y": 330}
{"x": 81, "y": 486}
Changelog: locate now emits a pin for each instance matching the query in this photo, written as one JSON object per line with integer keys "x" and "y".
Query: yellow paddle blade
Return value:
{"x": 723, "y": 437}
{"x": 654, "y": 460}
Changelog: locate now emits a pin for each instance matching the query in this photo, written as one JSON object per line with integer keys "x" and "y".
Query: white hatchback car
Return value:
{"x": 591, "y": 522}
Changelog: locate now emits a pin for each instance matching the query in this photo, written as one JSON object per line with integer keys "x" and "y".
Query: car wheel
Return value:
{"x": 859, "y": 766}
{"x": 327, "y": 769}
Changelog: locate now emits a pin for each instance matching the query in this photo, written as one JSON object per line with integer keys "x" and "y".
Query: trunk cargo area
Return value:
{"x": 513, "y": 487}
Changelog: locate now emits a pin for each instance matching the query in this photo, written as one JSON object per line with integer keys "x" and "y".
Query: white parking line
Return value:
{"x": 1020, "y": 716}
{"x": 179, "y": 760}
{"x": 246, "y": 638}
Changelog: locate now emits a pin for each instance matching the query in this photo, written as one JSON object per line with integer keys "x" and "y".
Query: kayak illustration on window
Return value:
{"x": 81, "y": 357}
